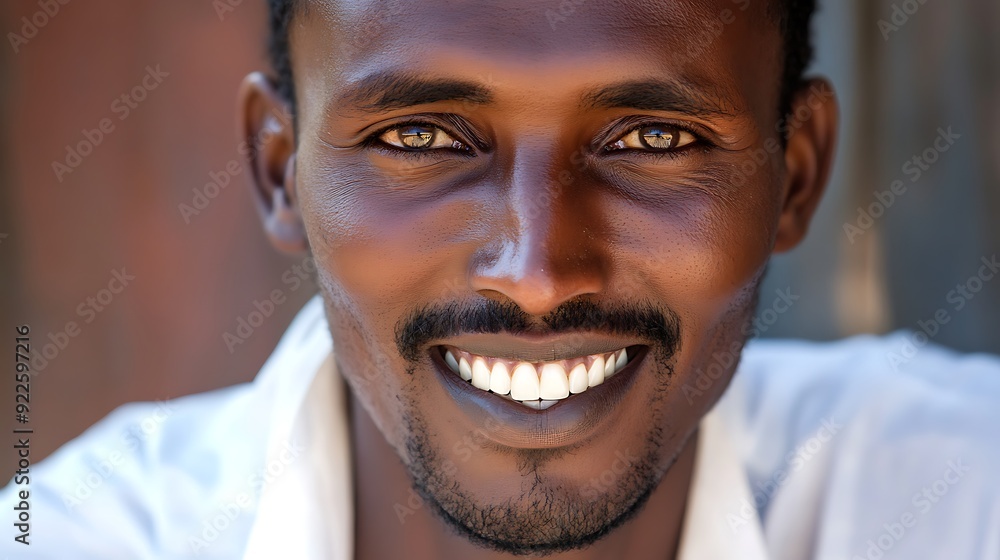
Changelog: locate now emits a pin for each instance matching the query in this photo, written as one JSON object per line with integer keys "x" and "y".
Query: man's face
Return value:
{"x": 538, "y": 183}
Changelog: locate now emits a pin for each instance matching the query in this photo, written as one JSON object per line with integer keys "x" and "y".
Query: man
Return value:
{"x": 538, "y": 236}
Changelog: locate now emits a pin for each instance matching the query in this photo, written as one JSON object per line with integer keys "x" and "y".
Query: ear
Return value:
{"x": 812, "y": 130}
{"x": 265, "y": 124}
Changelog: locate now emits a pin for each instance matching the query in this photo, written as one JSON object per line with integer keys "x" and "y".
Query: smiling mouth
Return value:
{"x": 536, "y": 385}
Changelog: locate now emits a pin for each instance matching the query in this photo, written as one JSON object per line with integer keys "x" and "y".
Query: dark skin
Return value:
{"x": 531, "y": 209}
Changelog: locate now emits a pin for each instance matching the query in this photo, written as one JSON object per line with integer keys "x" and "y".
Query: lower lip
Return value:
{"x": 568, "y": 422}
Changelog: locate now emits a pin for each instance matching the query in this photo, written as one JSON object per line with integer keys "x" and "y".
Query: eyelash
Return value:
{"x": 699, "y": 143}
{"x": 373, "y": 142}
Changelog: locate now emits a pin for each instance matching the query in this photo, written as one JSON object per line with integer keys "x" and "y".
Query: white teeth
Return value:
{"x": 554, "y": 384}
{"x": 464, "y": 369}
{"x": 524, "y": 383}
{"x": 578, "y": 379}
{"x": 621, "y": 361}
{"x": 538, "y": 404}
{"x": 449, "y": 358}
{"x": 540, "y": 387}
{"x": 480, "y": 374}
{"x": 595, "y": 376}
{"x": 500, "y": 379}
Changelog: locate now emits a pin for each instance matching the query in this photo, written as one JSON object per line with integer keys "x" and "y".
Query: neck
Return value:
{"x": 392, "y": 521}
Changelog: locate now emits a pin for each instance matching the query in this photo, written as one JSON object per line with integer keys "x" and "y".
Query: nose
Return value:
{"x": 547, "y": 248}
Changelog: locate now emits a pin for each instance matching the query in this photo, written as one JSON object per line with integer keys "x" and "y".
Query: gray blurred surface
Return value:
{"x": 897, "y": 88}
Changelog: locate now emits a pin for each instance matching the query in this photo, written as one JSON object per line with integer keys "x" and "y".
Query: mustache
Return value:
{"x": 659, "y": 328}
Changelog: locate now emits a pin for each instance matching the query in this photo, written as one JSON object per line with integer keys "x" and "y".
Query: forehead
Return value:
{"x": 726, "y": 46}
{"x": 528, "y": 25}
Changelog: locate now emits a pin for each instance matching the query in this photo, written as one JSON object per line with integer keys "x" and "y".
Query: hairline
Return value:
{"x": 794, "y": 62}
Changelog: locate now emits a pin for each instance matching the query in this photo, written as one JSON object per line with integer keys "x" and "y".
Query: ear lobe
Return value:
{"x": 269, "y": 150}
{"x": 283, "y": 223}
{"x": 808, "y": 159}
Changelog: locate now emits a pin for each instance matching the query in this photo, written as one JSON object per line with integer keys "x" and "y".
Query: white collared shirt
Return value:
{"x": 817, "y": 451}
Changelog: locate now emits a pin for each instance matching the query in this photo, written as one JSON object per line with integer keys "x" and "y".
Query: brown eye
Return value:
{"x": 659, "y": 138}
{"x": 655, "y": 137}
{"x": 416, "y": 136}
{"x": 420, "y": 137}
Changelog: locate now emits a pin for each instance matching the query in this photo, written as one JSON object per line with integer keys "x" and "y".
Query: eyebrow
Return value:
{"x": 658, "y": 95}
{"x": 388, "y": 90}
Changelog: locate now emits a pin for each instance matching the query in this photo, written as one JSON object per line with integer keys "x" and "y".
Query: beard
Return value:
{"x": 550, "y": 515}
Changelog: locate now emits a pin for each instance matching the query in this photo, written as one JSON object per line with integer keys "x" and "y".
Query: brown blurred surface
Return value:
{"x": 161, "y": 336}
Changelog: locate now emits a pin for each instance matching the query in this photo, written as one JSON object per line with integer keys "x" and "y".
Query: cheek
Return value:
{"x": 698, "y": 252}
{"x": 710, "y": 356}
{"x": 384, "y": 249}
{"x": 375, "y": 377}
{"x": 357, "y": 248}
{"x": 379, "y": 254}
{"x": 703, "y": 256}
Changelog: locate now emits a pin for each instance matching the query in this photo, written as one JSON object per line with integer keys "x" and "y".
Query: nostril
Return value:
{"x": 537, "y": 276}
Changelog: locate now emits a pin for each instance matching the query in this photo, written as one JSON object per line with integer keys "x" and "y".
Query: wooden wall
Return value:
{"x": 70, "y": 232}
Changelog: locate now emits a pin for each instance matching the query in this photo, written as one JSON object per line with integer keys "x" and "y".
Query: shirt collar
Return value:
{"x": 306, "y": 510}
{"x": 712, "y": 529}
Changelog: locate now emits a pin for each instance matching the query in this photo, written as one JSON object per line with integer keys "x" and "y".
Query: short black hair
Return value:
{"x": 280, "y": 13}
{"x": 794, "y": 22}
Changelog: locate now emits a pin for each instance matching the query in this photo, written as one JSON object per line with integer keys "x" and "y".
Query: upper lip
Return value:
{"x": 539, "y": 348}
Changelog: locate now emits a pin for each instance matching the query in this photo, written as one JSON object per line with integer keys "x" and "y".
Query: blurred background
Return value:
{"x": 130, "y": 245}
